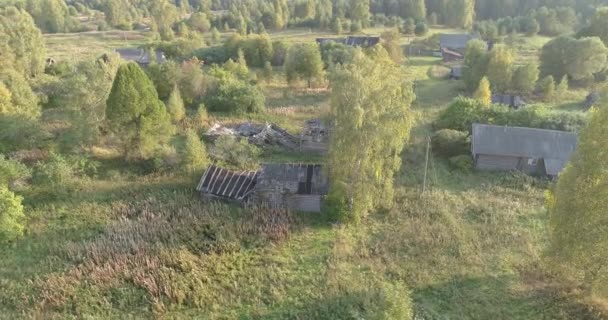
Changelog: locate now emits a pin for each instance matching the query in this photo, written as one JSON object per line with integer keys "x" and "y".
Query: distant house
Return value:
{"x": 533, "y": 151}
{"x": 141, "y": 56}
{"x": 322, "y": 41}
{"x": 456, "y": 73}
{"x": 299, "y": 187}
{"x": 452, "y": 46}
{"x": 362, "y": 41}
{"x": 510, "y": 100}
{"x": 355, "y": 41}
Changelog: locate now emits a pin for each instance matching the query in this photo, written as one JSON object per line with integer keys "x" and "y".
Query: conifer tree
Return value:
{"x": 483, "y": 93}
{"x": 135, "y": 113}
{"x": 175, "y": 105}
{"x": 195, "y": 157}
{"x": 578, "y": 222}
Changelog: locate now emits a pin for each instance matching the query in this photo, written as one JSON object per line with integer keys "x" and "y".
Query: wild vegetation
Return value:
{"x": 99, "y": 159}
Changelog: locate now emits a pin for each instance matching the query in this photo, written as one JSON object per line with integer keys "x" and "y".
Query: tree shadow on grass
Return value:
{"x": 497, "y": 298}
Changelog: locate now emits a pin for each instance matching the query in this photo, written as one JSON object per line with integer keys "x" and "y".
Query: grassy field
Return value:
{"x": 126, "y": 244}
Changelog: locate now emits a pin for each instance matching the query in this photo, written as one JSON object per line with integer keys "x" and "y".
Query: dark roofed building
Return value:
{"x": 534, "y": 151}
{"x": 355, "y": 41}
{"x": 592, "y": 99}
{"x": 456, "y": 72}
{"x": 362, "y": 41}
{"x": 510, "y": 100}
{"x": 452, "y": 46}
{"x": 322, "y": 41}
{"x": 141, "y": 56}
{"x": 457, "y": 42}
{"x": 228, "y": 185}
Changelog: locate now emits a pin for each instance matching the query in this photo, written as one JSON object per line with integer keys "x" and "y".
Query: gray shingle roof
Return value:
{"x": 555, "y": 147}
{"x": 455, "y": 41}
{"x": 140, "y": 55}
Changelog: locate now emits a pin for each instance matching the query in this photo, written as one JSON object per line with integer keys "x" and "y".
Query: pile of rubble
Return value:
{"x": 262, "y": 135}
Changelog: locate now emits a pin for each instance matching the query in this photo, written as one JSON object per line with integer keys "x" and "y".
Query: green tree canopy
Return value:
{"x": 524, "y": 78}
{"x": 21, "y": 44}
{"x": 578, "y": 222}
{"x": 499, "y": 69}
{"x": 370, "y": 104}
{"x": 303, "y": 62}
{"x": 577, "y": 58}
{"x": 195, "y": 157}
{"x": 11, "y": 215}
{"x": 135, "y": 113}
{"x": 475, "y": 63}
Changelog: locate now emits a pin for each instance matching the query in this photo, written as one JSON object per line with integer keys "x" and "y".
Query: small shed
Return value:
{"x": 456, "y": 72}
{"x": 510, "y": 100}
{"x": 141, "y": 56}
{"x": 592, "y": 99}
{"x": 530, "y": 150}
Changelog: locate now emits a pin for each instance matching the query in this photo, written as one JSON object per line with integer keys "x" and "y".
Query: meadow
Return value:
{"x": 127, "y": 243}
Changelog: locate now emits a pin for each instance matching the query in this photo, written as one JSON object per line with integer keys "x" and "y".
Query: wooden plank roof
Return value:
{"x": 227, "y": 184}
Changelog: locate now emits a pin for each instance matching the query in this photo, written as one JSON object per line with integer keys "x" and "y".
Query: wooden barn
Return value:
{"x": 533, "y": 151}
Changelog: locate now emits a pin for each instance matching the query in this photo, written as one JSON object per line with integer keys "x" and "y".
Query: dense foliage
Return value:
{"x": 463, "y": 112}
{"x": 370, "y": 104}
{"x": 577, "y": 209}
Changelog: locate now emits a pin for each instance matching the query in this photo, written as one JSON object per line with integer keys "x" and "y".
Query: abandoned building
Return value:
{"x": 452, "y": 46}
{"x": 355, "y": 41}
{"x": 141, "y": 56}
{"x": 533, "y": 151}
{"x": 592, "y": 99}
{"x": 510, "y": 100}
{"x": 314, "y": 137}
{"x": 299, "y": 187}
{"x": 219, "y": 183}
{"x": 261, "y": 135}
{"x": 456, "y": 72}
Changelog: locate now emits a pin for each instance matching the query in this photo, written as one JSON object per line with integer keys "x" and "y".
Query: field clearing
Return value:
{"x": 79, "y": 46}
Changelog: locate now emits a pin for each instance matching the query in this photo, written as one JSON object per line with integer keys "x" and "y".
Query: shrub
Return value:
{"x": 448, "y": 142}
{"x": 11, "y": 215}
{"x": 463, "y": 162}
{"x": 12, "y": 171}
{"x": 463, "y": 112}
{"x": 194, "y": 155}
{"x": 54, "y": 172}
{"x": 236, "y": 96}
{"x": 421, "y": 29}
{"x": 235, "y": 153}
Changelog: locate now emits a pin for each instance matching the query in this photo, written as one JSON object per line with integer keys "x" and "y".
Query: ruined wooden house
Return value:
{"x": 299, "y": 187}
{"x": 232, "y": 186}
{"x": 142, "y": 56}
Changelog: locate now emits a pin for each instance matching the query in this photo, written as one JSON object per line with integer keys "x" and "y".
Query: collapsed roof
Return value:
{"x": 260, "y": 135}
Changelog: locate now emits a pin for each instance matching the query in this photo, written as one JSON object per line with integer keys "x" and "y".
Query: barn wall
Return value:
{"x": 492, "y": 162}
{"x": 305, "y": 203}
